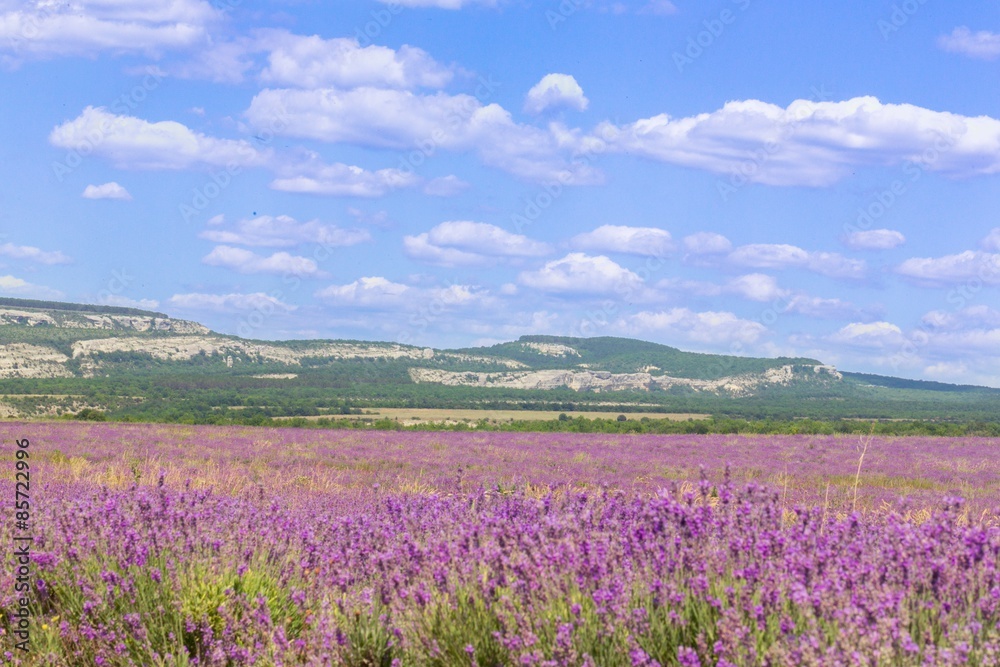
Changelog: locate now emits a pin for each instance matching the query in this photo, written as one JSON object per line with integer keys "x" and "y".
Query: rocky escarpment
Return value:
{"x": 602, "y": 381}
{"x": 75, "y": 320}
{"x": 21, "y": 360}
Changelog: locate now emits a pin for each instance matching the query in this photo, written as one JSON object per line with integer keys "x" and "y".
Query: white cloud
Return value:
{"x": 783, "y": 256}
{"x": 43, "y": 29}
{"x": 133, "y": 143}
{"x": 424, "y": 124}
{"x": 875, "y": 239}
{"x": 869, "y": 334}
{"x": 948, "y": 371}
{"x": 984, "y": 45}
{"x": 445, "y": 186}
{"x": 702, "y": 328}
{"x": 970, "y": 317}
{"x": 659, "y": 8}
{"x": 107, "y": 191}
{"x": 377, "y": 292}
{"x": 757, "y": 287}
{"x": 341, "y": 180}
{"x": 462, "y": 242}
{"x": 951, "y": 269}
{"x": 419, "y": 247}
{"x": 314, "y": 62}
{"x": 582, "y": 274}
{"x": 283, "y": 231}
{"x": 17, "y": 287}
{"x": 125, "y": 302}
{"x": 228, "y": 303}
{"x": 373, "y": 291}
{"x": 245, "y": 261}
{"x": 555, "y": 91}
{"x": 818, "y": 143}
{"x": 992, "y": 240}
{"x": 644, "y": 241}
{"x": 485, "y": 239}
{"x": 707, "y": 243}
{"x": 442, "y": 4}
{"x": 33, "y": 254}
{"x": 814, "y": 306}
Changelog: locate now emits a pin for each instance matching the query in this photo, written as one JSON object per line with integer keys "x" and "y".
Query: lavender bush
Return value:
{"x": 201, "y": 546}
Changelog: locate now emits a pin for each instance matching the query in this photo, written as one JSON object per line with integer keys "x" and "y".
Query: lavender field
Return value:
{"x": 177, "y": 545}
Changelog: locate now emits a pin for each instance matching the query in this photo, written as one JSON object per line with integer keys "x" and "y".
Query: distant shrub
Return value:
{"x": 91, "y": 415}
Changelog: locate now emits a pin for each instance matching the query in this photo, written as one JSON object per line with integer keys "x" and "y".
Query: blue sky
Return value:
{"x": 732, "y": 176}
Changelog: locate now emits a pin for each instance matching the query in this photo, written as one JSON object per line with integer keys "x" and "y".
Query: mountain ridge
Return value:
{"x": 136, "y": 363}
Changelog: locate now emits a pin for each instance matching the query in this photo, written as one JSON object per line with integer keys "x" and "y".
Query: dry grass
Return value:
{"x": 415, "y": 416}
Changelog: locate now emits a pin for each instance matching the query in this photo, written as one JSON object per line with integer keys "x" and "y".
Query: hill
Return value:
{"x": 57, "y": 358}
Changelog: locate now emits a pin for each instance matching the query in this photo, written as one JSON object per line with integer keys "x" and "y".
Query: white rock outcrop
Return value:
{"x": 599, "y": 381}
{"x": 21, "y": 360}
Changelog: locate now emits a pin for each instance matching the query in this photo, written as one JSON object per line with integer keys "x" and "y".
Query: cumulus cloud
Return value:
{"x": 971, "y": 317}
{"x": 463, "y": 242}
{"x": 578, "y": 273}
{"x": 125, "y": 302}
{"x": 314, "y": 62}
{"x": 555, "y": 91}
{"x": 283, "y": 231}
{"x": 424, "y": 124}
{"x": 228, "y": 303}
{"x": 372, "y": 291}
{"x": 757, "y": 287}
{"x": 445, "y": 186}
{"x": 659, "y": 8}
{"x": 245, "y": 261}
{"x": 443, "y": 4}
{"x": 42, "y": 29}
{"x": 983, "y": 45}
{"x": 342, "y": 180}
{"x": 33, "y": 254}
{"x": 992, "y": 241}
{"x": 875, "y": 239}
{"x": 709, "y": 328}
{"x": 107, "y": 191}
{"x": 952, "y": 269}
{"x": 18, "y": 287}
{"x": 707, "y": 243}
{"x": 818, "y": 143}
{"x": 836, "y": 309}
{"x": 133, "y": 143}
{"x": 376, "y": 292}
{"x": 783, "y": 256}
{"x": 645, "y": 241}
{"x": 420, "y": 248}
{"x": 870, "y": 335}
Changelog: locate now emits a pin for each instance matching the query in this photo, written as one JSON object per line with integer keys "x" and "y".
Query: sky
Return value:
{"x": 731, "y": 176}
